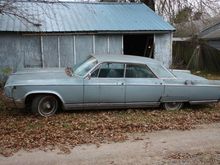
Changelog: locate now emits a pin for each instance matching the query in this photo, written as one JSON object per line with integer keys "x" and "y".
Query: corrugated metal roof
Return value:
{"x": 212, "y": 32}
{"x": 212, "y": 35}
{"x": 86, "y": 17}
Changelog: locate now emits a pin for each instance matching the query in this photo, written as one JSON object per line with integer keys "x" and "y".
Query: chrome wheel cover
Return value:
{"x": 47, "y": 105}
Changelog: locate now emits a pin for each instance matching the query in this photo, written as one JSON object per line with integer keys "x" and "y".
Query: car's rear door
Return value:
{"x": 141, "y": 85}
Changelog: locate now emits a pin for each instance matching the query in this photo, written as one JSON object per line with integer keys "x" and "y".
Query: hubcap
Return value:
{"x": 173, "y": 106}
{"x": 47, "y": 105}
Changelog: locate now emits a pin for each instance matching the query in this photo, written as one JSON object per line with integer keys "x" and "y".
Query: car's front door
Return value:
{"x": 142, "y": 86}
{"x": 106, "y": 84}
{"x": 91, "y": 90}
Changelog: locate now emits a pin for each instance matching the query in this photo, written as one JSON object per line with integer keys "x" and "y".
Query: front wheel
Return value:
{"x": 172, "y": 106}
{"x": 44, "y": 105}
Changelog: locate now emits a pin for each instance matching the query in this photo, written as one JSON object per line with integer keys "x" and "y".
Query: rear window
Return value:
{"x": 138, "y": 71}
{"x": 160, "y": 71}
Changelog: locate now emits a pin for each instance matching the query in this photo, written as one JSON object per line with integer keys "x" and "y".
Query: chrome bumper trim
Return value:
{"x": 19, "y": 104}
{"x": 110, "y": 105}
{"x": 203, "y": 102}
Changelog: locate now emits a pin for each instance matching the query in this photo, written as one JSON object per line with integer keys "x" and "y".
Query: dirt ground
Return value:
{"x": 197, "y": 146}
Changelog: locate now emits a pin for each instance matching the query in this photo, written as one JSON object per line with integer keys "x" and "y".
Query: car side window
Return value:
{"x": 109, "y": 70}
{"x": 95, "y": 73}
{"x": 138, "y": 71}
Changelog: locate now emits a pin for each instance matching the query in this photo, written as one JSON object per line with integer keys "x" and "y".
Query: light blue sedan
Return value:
{"x": 109, "y": 81}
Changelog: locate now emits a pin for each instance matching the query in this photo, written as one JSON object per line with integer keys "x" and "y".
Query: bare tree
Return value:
{"x": 189, "y": 16}
{"x": 12, "y": 8}
{"x": 150, "y": 3}
{"x": 200, "y": 9}
{"x": 170, "y": 8}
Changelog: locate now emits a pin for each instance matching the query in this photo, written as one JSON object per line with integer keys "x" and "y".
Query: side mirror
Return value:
{"x": 69, "y": 71}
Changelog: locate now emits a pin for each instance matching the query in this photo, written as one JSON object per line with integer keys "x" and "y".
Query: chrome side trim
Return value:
{"x": 43, "y": 84}
{"x": 143, "y": 104}
{"x": 203, "y": 102}
{"x": 110, "y": 105}
{"x": 194, "y": 85}
{"x": 175, "y": 101}
{"x": 143, "y": 84}
{"x": 116, "y": 83}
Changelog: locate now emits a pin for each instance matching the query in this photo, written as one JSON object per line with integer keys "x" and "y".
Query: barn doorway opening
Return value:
{"x": 139, "y": 45}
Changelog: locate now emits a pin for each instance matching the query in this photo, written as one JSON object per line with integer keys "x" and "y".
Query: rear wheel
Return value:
{"x": 172, "y": 106}
{"x": 44, "y": 105}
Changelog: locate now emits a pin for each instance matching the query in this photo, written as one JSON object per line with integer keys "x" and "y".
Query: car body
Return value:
{"x": 109, "y": 81}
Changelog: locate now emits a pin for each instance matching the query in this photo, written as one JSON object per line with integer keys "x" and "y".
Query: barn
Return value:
{"x": 64, "y": 34}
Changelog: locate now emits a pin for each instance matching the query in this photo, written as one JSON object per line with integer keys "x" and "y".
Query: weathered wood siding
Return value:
{"x": 163, "y": 48}
{"x": 23, "y": 51}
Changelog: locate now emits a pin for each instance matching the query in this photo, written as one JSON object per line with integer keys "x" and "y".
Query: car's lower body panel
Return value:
{"x": 203, "y": 102}
{"x": 110, "y": 105}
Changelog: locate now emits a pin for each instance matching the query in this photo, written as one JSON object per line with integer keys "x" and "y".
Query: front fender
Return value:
{"x": 44, "y": 92}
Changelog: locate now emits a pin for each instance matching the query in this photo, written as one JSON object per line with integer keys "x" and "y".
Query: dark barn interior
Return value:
{"x": 139, "y": 44}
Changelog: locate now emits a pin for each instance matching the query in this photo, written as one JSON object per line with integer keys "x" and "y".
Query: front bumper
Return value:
{"x": 16, "y": 103}
{"x": 19, "y": 104}
{"x": 8, "y": 93}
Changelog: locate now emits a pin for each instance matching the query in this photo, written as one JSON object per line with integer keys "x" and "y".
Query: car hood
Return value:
{"x": 51, "y": 76}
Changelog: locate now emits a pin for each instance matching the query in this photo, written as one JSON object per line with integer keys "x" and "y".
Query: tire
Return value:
{"x": 173, "y": 106}
{"x": 44, "y": 105}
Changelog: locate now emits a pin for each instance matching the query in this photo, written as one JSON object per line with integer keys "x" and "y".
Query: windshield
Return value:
{"x": 84, "y": 67}
{"x": 160, "y": 71}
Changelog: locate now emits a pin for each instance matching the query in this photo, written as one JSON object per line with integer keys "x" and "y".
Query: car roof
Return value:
{"x": 124, "y": 58}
